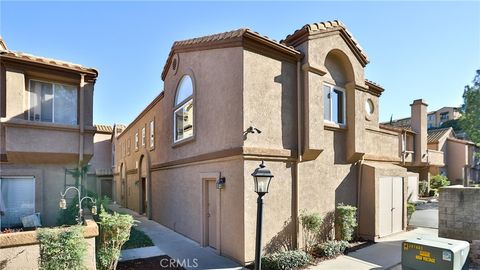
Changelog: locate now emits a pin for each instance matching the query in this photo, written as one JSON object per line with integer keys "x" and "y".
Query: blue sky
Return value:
{"x": 416, "y": 50}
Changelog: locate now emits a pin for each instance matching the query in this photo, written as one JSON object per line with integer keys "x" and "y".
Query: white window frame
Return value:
{"x": 143, "y": 137}
{"x": 136, "y": 141}
{"x": 185, "y": 103}
{"x": 344, "y": 105}
{"x": 152, "y": 134}
{"x": 53, "y": 100}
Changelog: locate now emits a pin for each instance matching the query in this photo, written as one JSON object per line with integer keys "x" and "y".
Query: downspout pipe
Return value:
{"x": 299, "y": 157}
{"x": 359, "y": 186}
{"x": 81, "y": 123}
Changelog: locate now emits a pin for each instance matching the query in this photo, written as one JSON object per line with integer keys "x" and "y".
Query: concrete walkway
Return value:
{"x": 425, "y": 216}
{"x": 386, "y": 254}
{"x": 187, "y": 252}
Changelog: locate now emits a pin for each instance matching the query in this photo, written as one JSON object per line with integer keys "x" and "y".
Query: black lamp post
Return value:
{"x": 262, "y": 177}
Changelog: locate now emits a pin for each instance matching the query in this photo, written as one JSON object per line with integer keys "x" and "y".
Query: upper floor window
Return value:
{"x": 333, "y": 104}
{"x": 53, "y": 102}
{"x": 143, "y": 136}
{"x": 152, "y": 134}
{"x": 136, "y": 140}
{"x": 444, "y": 116}
{"x": 183, "y": 110}
{"x": 128, "y": 146}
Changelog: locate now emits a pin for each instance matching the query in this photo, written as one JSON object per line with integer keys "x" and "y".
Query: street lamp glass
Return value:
{"x": 62, "y": 204}
{"x": 262, "y": 177}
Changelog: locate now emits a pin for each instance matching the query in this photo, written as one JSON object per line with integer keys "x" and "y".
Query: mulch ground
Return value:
{"x": 153, "y": 263}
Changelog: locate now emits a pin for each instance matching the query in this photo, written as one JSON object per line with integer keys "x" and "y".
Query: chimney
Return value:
{"x": 419, "y": 125}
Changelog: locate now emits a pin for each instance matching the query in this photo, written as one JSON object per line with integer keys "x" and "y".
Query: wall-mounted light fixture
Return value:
{"x": 221, "y": 182}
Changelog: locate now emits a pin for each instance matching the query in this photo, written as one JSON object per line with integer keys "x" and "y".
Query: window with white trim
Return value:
{"x": 152, "y": 134}
{"x": 334, "y": 104}
{"x": 143, "y": 136}
{"x": 183, "y": 110}
{"x": 52, "y": 102}
{"x": 18, "y": 199}
{"x": 136, "y": 140}
{"x": 129, "y": 142}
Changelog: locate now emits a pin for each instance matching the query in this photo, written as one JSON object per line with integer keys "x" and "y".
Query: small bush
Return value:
{"x": 423, "y": 187}
{"x": 286, "y": 260}
{"x": 433, "y": 192}
{"x": 312, "y": 224}
{"x": 62, "y": 248}
{"x": 114, "y": 232}
{"x": 438, "y": 181}
{"x": 332, "y": 248}
{"x": 410, "y": 210}
{"x": 345, "y": 222}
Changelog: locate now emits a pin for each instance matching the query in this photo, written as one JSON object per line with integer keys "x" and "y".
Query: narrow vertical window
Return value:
{"x": 136, "y": 141}
{"x": 143, "y": 136}
{"x": 128, "y": 146}
{"x": 152, "y": 134}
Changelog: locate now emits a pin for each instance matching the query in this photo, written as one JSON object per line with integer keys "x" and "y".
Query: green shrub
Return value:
{"x": 345, "y": 222}
{"x": 285, "y": 260}
{"x": 438, "y": 181}
{"x": 332, "y": 248}
{"x": 137, "y": 239}
{"x": 423, "y": 188}
{"x": 69, "y": 216}
{"x": 312, "y": 224}
{"x": 433, "y": 192}
{"x": 410, "y": 210}
{"x": 114, "y": 231}
{"x": 62, "y": 248}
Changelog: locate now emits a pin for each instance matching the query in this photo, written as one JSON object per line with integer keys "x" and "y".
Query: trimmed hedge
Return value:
{"x": 285, "y": 260}
{"x": 332, "y": 248}
{"x": 345, "y": 222}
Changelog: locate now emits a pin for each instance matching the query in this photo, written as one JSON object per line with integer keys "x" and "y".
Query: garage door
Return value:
{"x": 390, "y": 205}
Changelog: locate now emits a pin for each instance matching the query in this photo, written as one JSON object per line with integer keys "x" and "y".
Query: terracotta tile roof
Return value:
{"x": 400, "y": 125}
{"x": 230, "y": 37}
{"x": 435, "y": 135}
{"x": 325, "y": 27}
{"x": 104, "y": 129}
{"x": 44, "y": 60}
{"x": 396, "y": 128}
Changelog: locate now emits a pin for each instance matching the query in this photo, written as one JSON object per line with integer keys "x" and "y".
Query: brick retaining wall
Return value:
{"x": 459, "y": 213}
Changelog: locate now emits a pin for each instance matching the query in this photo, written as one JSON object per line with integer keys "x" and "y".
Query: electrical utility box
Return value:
{"x": 434, "y": 254}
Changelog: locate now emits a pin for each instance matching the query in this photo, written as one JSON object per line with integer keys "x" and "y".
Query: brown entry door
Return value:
{"x": 144, "y": 195}
{"x": 212, "y": 214}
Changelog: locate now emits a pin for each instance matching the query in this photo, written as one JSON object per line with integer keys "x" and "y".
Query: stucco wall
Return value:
{"x": 269, "y": 101}
{"x": 177, "y": 202}
{"x": 457, "y": 159}
{"x": 458, "y": 213}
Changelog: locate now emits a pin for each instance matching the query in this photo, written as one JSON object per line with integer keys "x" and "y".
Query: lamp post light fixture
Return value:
{"x": 63, "y": 203}
{"x": 261, "y": 177}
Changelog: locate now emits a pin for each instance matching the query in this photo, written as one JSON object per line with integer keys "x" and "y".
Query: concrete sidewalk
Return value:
{"x": 385, "y": 254}
{"x": 189, "y": 253}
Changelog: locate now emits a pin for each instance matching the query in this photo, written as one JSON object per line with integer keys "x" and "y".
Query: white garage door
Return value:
{"x": 391, "y": 205}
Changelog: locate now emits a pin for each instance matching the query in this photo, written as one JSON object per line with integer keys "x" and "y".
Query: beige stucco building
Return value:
{"x": 45, "y": 127}
{"x": 320, "y": 137}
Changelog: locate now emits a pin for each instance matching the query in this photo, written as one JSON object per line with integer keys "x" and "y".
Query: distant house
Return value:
{"x": 100, "y": 174}
{"x": 435, "y": 119}
{"x": 461, "y": 163}
{"x": 320, "y": 136}
{"x": 46, "y": 130}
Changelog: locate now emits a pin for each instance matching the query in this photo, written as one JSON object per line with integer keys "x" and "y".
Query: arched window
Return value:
{"x": 183, "y": 110}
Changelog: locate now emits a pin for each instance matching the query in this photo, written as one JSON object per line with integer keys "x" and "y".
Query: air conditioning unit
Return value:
{"x": 435, "y": 254}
